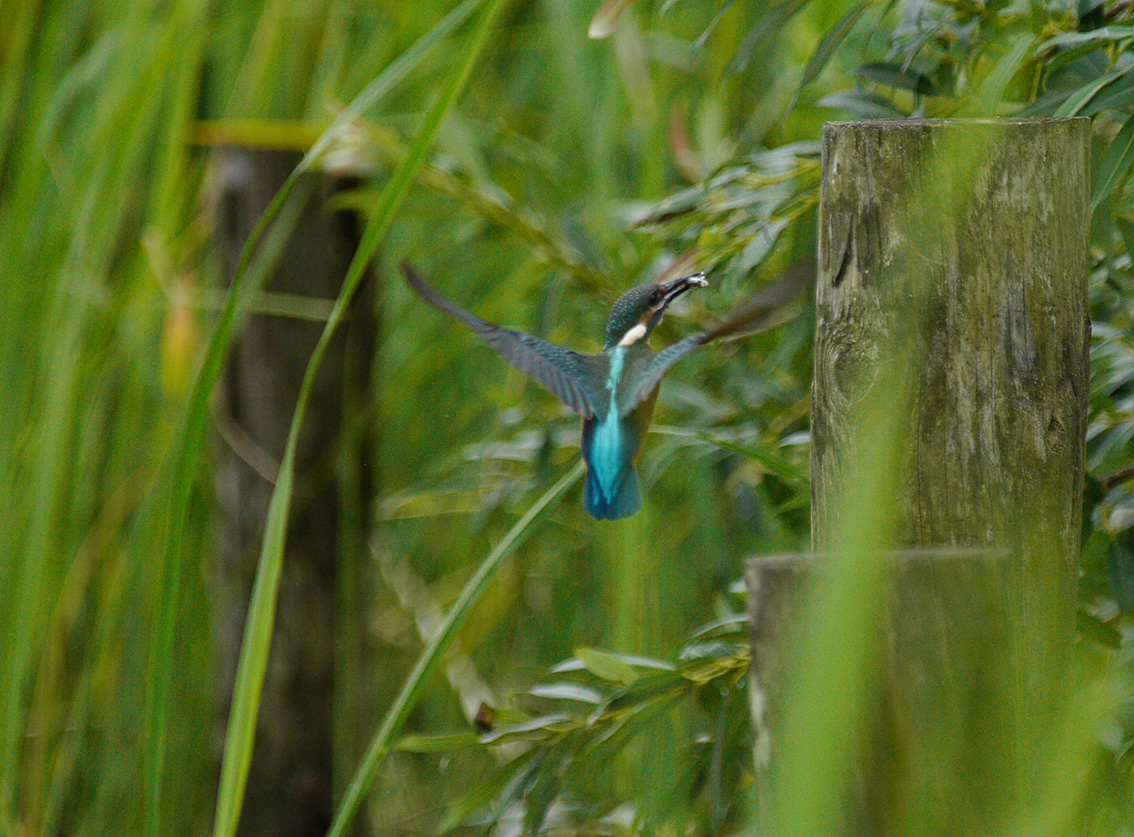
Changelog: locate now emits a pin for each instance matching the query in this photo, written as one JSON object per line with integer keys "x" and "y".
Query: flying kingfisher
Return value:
{"x": 613, "y": 391}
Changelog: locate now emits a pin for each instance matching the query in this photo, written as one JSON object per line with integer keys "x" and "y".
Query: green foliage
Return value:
{"x": 418, "y": 679}
{"x": 256, "y": 645}
{"x": 569, "y": 169}
{"x": 606, "y": 704}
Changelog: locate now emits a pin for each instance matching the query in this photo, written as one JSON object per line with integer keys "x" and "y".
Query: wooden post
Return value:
{"x": 952, "y": 294}
{"x": 961, "y": 247}
{"x": 290, "y": 783}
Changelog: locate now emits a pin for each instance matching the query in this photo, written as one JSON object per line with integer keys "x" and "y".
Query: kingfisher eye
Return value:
{"x": 656, "y": 296}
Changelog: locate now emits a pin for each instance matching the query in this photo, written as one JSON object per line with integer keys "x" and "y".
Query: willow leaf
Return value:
{"x": 414, "y": 685}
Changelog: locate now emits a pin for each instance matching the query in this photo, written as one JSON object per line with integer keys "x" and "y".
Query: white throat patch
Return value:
{"x": 633, "y": 335}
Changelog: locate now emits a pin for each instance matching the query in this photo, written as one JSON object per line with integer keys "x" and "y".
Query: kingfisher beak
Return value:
{"x": 674, "y": 288}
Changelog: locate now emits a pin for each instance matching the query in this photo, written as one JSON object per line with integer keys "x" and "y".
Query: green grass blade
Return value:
{"x": 79, "y": 250}
{"x": 829, "y": 44}
{"x": 1116, "y": 165}
{"x": 430, "y": 658}
{"x": 261, "y": 614}
{"x": 991, "y": 94}
{"x": 830, "y": 675}
{"x": 197, "y": 416}
{"x": 1083, "y": 96}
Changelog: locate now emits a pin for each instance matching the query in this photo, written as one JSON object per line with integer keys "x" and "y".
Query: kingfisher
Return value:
{"x": 613, "y": 391}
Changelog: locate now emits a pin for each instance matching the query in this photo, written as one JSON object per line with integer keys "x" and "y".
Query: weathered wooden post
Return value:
{"x": 290, "y": 783}
{"x": 951, "y": 300}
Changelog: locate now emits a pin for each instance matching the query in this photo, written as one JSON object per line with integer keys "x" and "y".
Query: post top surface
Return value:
{"x": 912, "y": 123}
{"x": 897, "y": 556}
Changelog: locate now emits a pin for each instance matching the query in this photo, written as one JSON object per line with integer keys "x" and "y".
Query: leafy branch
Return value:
{"x": 595, "y": 705}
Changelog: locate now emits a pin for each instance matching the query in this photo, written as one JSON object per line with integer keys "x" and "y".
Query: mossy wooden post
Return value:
{"x": 313, "y": 680}
{"x": 951, "y": 295}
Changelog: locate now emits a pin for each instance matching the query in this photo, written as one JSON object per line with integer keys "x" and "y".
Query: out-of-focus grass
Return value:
{"x": 257, "y": 641}
{"x": 104, "y": 222}
{"x": 100, "y": 117}
{"x": 556, "y": 147}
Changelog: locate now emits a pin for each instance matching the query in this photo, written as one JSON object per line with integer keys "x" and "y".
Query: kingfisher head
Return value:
{"x": 637, "y": 311}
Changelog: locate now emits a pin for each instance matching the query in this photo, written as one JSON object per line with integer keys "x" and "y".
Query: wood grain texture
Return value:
{"x": 940, "y": 752}
{"x": 290, "y": 785}
{"x": 952, "y": 285}
{"x": 953, "y": 269}
{"x": 952, "y": 325}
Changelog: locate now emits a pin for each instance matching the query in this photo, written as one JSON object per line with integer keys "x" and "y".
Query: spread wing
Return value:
{"x": 758, "y": 313}
{"x": 570, "y": 375}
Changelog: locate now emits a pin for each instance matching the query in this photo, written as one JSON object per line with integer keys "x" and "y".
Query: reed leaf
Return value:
{"x": 414, "y": 685}
{"x": 261, "y": 613}
{"x": 197, "y": 416}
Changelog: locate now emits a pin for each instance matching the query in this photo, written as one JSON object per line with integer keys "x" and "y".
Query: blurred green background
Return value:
{"x": 568, "y": 169}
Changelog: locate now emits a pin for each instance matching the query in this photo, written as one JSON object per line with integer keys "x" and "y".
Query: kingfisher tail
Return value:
{"x": 626, "y": 500}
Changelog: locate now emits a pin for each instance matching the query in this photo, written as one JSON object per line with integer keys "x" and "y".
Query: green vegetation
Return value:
{"x": 535, "y": 172}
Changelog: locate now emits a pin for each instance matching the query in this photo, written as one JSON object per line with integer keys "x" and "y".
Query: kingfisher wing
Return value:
{"x": 658, "y": 366}
{"x": 574, "y": 377}
{"x": 758, "y": 313}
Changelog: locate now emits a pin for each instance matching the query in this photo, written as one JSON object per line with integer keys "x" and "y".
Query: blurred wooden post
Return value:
{"x": 952, "y": 282}
{"x": 315, "y": 658}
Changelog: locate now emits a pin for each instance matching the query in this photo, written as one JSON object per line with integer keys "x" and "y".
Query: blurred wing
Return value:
{"x": 570, "y": 375}
{"x": 758, "y": 313}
